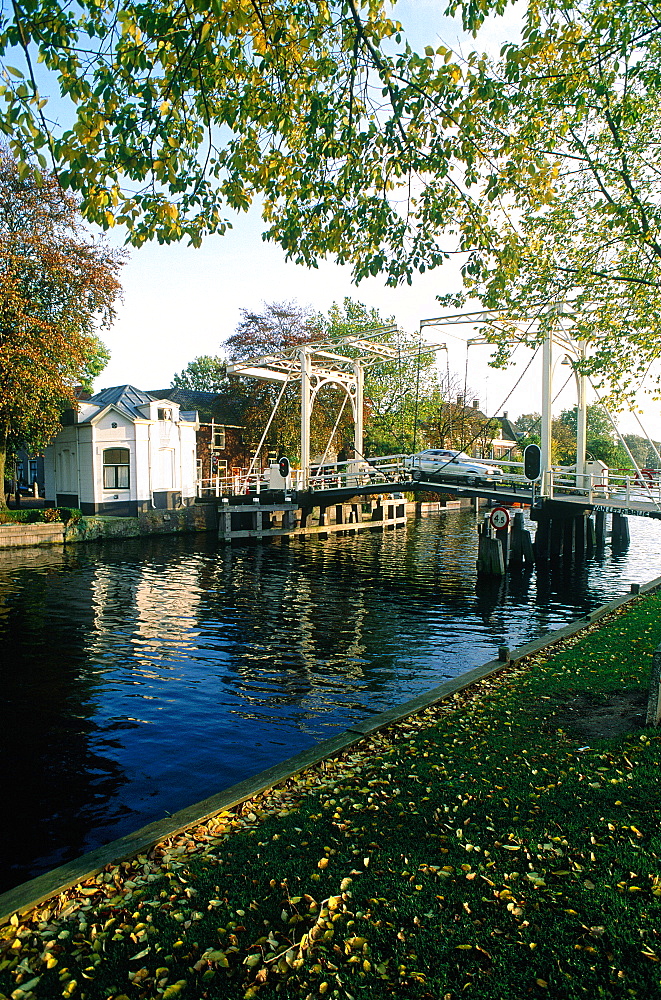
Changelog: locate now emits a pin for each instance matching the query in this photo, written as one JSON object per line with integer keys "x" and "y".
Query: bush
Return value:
{"x": 47, "y": 515}
{"x": 69, "y": 515}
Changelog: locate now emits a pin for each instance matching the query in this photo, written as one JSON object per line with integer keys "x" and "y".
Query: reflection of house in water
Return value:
{"x": 148, "y": 614}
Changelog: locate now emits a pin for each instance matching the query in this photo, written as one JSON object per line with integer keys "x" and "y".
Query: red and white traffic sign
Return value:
{"x": 499, "y": 518}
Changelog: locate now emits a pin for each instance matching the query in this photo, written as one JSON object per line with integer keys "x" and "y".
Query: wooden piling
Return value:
{"x": 557, "y": 537}
{"x": 490, "y": 561}
{"x": 542, "y": 544}
{"x": 590, "y": 535}
{"x": 521, "y": 547}
{"x": 620, "y": 531}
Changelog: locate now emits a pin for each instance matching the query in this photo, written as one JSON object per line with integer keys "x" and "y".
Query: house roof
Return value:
{"x": 217, "y": 406}
{"x": 128, "y": 400}
{"x": 509, "y": 428}
{"x": 125, "y": 398}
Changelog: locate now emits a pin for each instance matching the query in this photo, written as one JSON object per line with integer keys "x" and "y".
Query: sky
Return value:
{"x": 180, "y": 302}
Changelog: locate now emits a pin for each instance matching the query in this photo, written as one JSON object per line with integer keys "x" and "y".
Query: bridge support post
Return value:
{"x": 378, "y": 514}
{"x": 620, "y": 531}
{"x": 600, "y": 528}
{"x": 542, "y": 543}
{"x": 557, "y": 537}
{"x": 569, "y": 537}
{"x": 521, "y": 548}
{"x": 590, "y": 535}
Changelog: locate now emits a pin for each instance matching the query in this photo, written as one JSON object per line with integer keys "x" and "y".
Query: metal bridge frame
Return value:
{"x": 317, "y": 365}
{"x": 574, "y": 351}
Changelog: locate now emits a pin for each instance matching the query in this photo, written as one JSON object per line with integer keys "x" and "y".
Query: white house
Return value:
{"x": 123, "y": 452}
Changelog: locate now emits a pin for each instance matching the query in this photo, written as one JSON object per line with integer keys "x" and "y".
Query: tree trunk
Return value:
{"x": 3, "y": 463}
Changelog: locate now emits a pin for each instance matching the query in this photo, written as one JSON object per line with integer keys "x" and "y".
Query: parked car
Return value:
{"x": 443, "y": 462}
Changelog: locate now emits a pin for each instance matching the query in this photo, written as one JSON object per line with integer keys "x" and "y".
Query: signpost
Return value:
{"x": 499, "y": 518}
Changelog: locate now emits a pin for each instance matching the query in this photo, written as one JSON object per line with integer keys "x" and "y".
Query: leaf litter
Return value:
{"x": 472, "y": 849}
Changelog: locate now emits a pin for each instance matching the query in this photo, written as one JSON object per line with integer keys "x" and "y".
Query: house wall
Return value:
{"x": 234, "y": 452}
{"x": 162, "y": 471}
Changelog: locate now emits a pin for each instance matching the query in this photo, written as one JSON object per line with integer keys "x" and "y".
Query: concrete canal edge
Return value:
{"x": 197, "y": 517}
{"x": 30, "y": 894}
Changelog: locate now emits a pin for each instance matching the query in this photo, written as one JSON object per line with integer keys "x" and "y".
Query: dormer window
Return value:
{"x": 165, "y": 413}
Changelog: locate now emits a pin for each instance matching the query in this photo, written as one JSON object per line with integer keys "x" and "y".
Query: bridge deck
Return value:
{"x": 505, "y": 494}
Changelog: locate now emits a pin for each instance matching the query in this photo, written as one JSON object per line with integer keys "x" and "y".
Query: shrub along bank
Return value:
{"x": 41, "y": 515}
{"x": 502, "y": 844}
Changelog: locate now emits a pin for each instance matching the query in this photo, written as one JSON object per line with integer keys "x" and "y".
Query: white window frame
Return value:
{"x": 116, "y": 466}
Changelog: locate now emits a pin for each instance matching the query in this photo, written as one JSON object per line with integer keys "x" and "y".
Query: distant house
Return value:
{"x": 507, "y": 440}
{"x": 123, "y": 451}
{"x": 221, "y": 450}
{"x": 459, "y": 425}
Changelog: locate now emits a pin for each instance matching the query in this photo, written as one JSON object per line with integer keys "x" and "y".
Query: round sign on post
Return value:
{"x": 499, "y": 518}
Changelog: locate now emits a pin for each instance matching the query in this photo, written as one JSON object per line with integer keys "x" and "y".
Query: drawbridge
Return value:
{"x": 341, "y": 362}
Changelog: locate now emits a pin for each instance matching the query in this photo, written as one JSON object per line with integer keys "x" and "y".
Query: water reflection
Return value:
{"x": 142, "y": 676}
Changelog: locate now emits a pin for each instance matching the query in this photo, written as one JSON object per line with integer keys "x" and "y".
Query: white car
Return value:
{"x": 454, "y": 464}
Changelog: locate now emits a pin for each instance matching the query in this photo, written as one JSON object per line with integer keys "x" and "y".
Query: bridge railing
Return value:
{"x": 612, "y": 486}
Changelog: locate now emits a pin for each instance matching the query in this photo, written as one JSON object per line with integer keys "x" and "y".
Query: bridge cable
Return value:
{"x": 330, "y": 441}
{"x": 502, "y": 404}
{"x": 266, "y": 429}
{"x": 417, "y": 394}
{"x": 562, "y": 388}
{"x": 641, "y": 478}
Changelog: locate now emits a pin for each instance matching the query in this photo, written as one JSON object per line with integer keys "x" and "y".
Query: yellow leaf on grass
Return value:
{"x": 174, "y": 990}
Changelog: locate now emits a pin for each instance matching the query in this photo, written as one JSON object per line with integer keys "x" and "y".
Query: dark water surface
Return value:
{"x": 141, "y": 676}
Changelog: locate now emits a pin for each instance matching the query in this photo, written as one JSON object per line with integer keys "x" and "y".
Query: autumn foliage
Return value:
{"x": 57, "y": 286}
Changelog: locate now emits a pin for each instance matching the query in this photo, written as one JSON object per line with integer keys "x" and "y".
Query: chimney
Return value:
{"x": 476, "y": 404}
{"x": 505, "y": 414}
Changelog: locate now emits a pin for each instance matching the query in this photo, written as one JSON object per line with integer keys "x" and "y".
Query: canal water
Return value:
{"x": 141, "y": 676}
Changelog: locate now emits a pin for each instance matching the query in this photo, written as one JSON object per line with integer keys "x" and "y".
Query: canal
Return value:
{"x": 141, "y": 676}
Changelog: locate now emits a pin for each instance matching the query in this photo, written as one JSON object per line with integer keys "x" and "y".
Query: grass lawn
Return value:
{"x": 502, "y": 844}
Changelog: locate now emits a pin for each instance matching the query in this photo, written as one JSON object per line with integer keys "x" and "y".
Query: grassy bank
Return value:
{"x": 502, "y": 844}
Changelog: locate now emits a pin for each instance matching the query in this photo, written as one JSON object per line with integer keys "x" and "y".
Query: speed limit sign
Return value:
{"x": 499, "y": 518}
